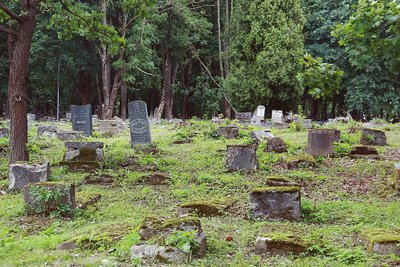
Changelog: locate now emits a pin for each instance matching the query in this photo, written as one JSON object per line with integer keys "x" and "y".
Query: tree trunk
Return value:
{"x": 19, "y": 48}
{"x": 124, "y": 100}
{"x": 168, "y": 84}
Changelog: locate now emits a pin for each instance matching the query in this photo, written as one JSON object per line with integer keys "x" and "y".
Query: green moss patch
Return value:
{"x": 282, "y": 189}
{"x": 379, "y": 235}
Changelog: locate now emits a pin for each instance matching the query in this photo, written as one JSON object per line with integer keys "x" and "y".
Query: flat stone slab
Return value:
{"x": 47, "y": 197}
{"x": 275, "y": 203}
{"x": 154, "y": 254}
{"x": 241, "y": 157}
{"x": 229, "y": 132}
{"x": 69, "y": 135}
{"x": 279, "y": 243}
{"x": 280, "y": 181}
{"x": 373, "y": 137}
{"x": 381, "y": 241}
{"x": 21, "y": 174}
{"x": 260, "y": 136}
{"x": 50, "y": 130}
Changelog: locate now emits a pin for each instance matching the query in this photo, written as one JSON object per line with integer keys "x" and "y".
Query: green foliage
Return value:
{"x": 321, "y": 79}
{"x": 267, "y": 42}
{"x": 184, "y": 240}
{"x": 342, "y": 149}
{"x": 49, "y": 201}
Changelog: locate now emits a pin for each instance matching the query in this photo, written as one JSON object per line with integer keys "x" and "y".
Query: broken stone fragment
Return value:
{"x": 373, "y": 137}
{"x": 279, "y": 243}
{"x": 276, "y": 144}
{"x": 275, "y": 203}
{"x": 69, "y": 135}
{"x": 241, "y": 157}
{"x": 50, "y": 131}
{"x": 21, "y": 174}
{"x": 280, "y": 181}
{"x": 300, "y": 161}
{"x": 206, "y": 208}
{"x": 154, "y": 254}
{"x": 229, "y": 132}
{"x": 261, "y": 136}
{"x": 85, "y": 156}
{"x": 68, "y": 245}
{"x": 381, "y": 241}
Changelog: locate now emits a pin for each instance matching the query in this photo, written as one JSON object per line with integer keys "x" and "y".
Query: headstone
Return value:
{"x": 139, "y": 123}
{"x": 229, "y": 132}
{"x": 241, "y": 157}
{"x": 84, "y": 156}
{"x": 277, "y": 116}
{"x": 4, "y": 132}
{"x": 108, "y": 127}
{"x": 283, "y": 243}
{"x": 259, "y": 115}
{"x": 60, "y": 195}
{"x": 21, "y": 174}
{"x": 276, "y": 144}
{"x": 31, "y": 117}
{"x": 69, "y": 135}
{"x": 68, "y": 115}
{"x": 321, "y": 141}
{"x": 81, "y": 117}
{"x": 50, "y": 131}
{"x": 276, "y": 203}
{"x": 307, "y": 123}
{"x": 373, "y": 137}
{"x": 243, "y": 117}
{"x": 381, "y": 241}
{"x": 260, "y": 136}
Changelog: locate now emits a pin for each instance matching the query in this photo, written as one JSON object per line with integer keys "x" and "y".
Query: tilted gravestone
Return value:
{"x": 21, "y": 174}
{"x": 259, "y": 115}
{"x": 81, "y": 117}
{"x": 139, "y": 123}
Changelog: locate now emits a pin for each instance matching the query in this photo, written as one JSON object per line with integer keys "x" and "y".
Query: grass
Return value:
{"x": 340, "y": 198}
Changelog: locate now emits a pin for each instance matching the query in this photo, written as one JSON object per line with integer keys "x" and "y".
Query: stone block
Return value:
{"x": 276, "y": 203}
{"x": 155, "y": 255}
{"x": 47, "y": 197}
{"x": 279, "y": 243}
{"x": 241, "y": 157}
{"x": 229, "y": 132}
{"x": 69, "y": 135}
{"x": 363, "y": 150}
{"x": 85, "y": 156}
{"x": 260, "y": 136}
{"x": 108, "y": 127}
{"x": 320, "y": 142}
{"x": 373, "y": 137}
{"x": 50, "y": 131}
{"x": 21, "y": 174}
{"x": 381, "y": 241}
{"x": 276, "y": 144}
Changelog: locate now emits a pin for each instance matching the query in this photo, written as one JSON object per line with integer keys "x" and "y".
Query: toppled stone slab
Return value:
{"x": 229, "y": 132}
{"x": 155, "y": 179}
{"x": 241, "y": 157}
{"x": 47, "y": 197}
{"x": 280, "y": 181}
{"x": 50, "y": 131}
{"x": 321, "y": 141}
{"x": 261, "y": 136}
{"x": 276, "y": 203}
{"x": 85, "y": 156}
{"x": 373, "y": 137}
{"x": 21, "y": 174}
{"x": 276, "y": 144}
{"x": 279, "y": 243}
{"x": 153, "y": 227}
{"x": 4, "y": 132}
{"x": 363, "y": 150}
{"x": 154, "y": 254}
{"x": 381, "y": 241}
{"x": 69, "y": 135}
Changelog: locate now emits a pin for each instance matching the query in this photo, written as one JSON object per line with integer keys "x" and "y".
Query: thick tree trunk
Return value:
{"x": 124, "y": 100}
{"x": 85, "y": 87}
{"x": 19, "y": 48}
{"x": 169, "y": 97}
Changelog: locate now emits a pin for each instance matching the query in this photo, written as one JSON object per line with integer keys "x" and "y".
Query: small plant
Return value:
{"x": 184, "y": 240}
{"x": 351, "y": 256}
{"x": 49, "y": 202}
{"x": 342, "y": 149}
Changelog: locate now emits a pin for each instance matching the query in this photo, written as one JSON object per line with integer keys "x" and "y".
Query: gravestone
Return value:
{"x": 259, "y": 115}
{"x": 50, "y": 131}
{"x": 81, "y": 117}
{"x": 243, "y": 117}
{"x": 307, "y": 123}
{"x": 321, "y": 141}
{"x": 373, "y": 137}
{"x": 68, "y": 115}
{"x": 277, "y": 116}
{"x": 139, "y": 123}
{"x": 229, "y": 132}
{"x": 21, "y": 174}
{"x": 108, "y": 127}
{"x": 85, "y": 156}
{"x": 242, "y": 157}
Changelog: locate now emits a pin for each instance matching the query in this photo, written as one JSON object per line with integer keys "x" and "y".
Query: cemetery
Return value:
{"x": 137, "y": 196}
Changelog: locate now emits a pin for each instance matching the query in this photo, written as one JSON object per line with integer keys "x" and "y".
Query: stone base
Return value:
{"x": 21, "y": 174}
{"x": 381, "y": 241}
{"x": 241, "y": 157}
{"x": 277, "y": 145}
{"x": 276, "y": 203}
{"x": 276, "y": 243}
{"x": 320, "y": 142}
{"x": 373, "y": 137}
{"x": 45, "y": 198}
{"x": 85, "y": 156}
{"x": 154, "y": 254}
{"x": 229, "y": 132}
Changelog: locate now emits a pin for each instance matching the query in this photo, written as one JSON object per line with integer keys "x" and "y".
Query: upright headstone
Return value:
{"x": 68, "y": 115}
{"x": 307, "y": 123}
{"x": 81, "y": 117}
{"x": 277, "y": 116}
{"x": 320, "y": 142}
{"x": 243, "y": 117}
{"x": 259, "y": 114}
{"x": 139, "y": 123}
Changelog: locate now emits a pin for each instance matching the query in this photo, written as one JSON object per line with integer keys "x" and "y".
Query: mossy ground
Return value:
{"x": 340, "y": 198}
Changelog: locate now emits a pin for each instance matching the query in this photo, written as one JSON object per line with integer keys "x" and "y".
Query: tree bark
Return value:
{"x": 124, "y": 100}
{"x": 168, "y": 84}
{"x": 19, "y": 49}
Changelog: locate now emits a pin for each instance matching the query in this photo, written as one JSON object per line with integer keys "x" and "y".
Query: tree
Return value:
{"x": 265, "y": 49}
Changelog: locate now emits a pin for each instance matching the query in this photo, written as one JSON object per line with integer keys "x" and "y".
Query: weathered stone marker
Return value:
{"x": 69, "y": 135}
{"x": 276, "y": 144}
{"x": 373, "y": 137}
{"x": 58, "y": 195}
{"x": 50, "y": 131}
{"x": 21, "y": 174}
{"x": 81, "y": 117}
{"x": 139, "y": 123}
{"x": 320, "y": 142}
{"x": 276, "y": 203}
{"x": 259, "y": 115}
{"x": 108, "y": 127}
{"x": 280, "y": 243}
{"x": 277, "y": 116}
{"x": 243, "y": 117}
{"x": 229, "y": 132}
{"x": 241, "y": 157}
{"x": 86, "y": 156}
{"x": 307, "y": 123}
{"x": 381, "y": 241}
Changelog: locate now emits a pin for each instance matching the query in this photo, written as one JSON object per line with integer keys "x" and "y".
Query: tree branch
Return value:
{"x": 6, "y": 30}
{"x": 10, "y": 13}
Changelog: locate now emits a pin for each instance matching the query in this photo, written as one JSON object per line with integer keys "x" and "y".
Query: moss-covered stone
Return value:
{"x": 381, "y": 241}
{"x": 280, "y": 243}
{"x": 211, "y": 207}
{"x": 300, "y": 161}
{"x": 276, "y": 189}
{"x": 280, "y": 181}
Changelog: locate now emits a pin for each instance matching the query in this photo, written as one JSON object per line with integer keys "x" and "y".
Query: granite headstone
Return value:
{"x": 139, "y": 123}
{"x": 81, "y": 117}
